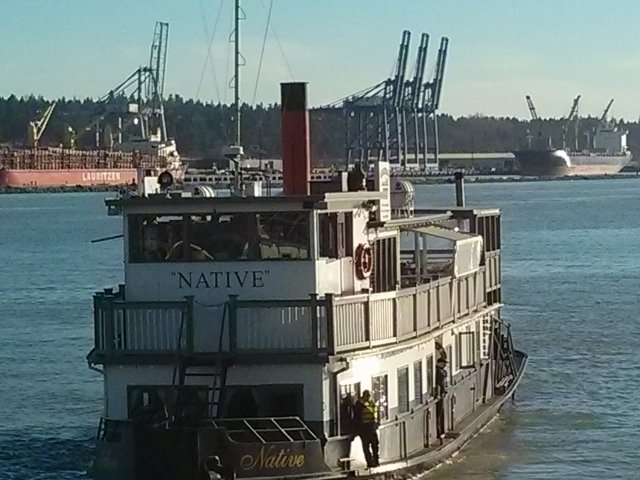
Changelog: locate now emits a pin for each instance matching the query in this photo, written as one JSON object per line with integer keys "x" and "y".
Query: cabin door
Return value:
{"x": 385, "y": 265}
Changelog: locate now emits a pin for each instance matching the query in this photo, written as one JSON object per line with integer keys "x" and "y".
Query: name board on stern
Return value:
{"x": 279, "y": 459}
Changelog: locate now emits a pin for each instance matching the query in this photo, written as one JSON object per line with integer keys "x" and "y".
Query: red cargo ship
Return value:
{"x": 50, "y": 167}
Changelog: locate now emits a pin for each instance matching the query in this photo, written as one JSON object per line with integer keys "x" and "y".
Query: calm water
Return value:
{"x": 571, "y": 274}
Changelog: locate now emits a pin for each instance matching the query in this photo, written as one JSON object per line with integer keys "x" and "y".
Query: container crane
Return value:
{"x": 36, "y": 127}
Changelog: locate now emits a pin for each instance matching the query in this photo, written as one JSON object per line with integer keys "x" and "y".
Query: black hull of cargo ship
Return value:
{"x": 555, "y": 163}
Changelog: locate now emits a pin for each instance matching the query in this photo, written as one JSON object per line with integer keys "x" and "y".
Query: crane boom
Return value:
{"x": 573, "y": 113}
{"x": 37, "y": 127}
{"x": 418, "y": 77}
{"x": 603, "y": 118}
{"x": 397, "y": 83}
{"x": 439, "y": 76}
{"x": 532, "y": 108}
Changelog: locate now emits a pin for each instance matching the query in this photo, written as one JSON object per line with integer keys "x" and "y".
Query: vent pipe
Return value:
{"x": 459, "y": 180}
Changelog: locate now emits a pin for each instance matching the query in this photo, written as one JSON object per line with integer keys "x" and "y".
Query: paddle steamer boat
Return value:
{"x": 246, "y": 323}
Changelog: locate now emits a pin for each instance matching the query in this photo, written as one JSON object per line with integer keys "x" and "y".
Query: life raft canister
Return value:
{"x": 364, "y": 261}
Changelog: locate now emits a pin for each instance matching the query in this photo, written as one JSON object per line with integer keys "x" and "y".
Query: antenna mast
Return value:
{"x": 236, "y": 80}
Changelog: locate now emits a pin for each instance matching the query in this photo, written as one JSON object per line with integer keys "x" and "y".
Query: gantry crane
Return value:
{"x": 389, "y": 120}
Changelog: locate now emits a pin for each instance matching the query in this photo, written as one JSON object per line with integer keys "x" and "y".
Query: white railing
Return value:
{"x": 328, "y": 325}
{"x": 277, "y": 325}
{"x": 141, "y": 327}
{"x": 381, "y": 318}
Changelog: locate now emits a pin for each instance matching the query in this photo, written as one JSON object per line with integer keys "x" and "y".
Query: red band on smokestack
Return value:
{"x": 296, "y": 154}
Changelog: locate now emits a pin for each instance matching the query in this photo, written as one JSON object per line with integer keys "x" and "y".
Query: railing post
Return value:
{"x": 233, "y": 323}
{"x": 109, "y": 331}
{"x": 394, "y": 316}
{"x": 188, "y": 311}
{"x": 314, "y": 322}
{"x": 367, "y": 319}
{"x": 438, "y": 305}
{"x": 415, "y": 310}
{"x": 97, "y": 324}
{"x": 331, "y": 335}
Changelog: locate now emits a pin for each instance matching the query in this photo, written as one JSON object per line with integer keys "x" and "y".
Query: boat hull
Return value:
{"x": 561, "y": 163}
{"x": 125, "y": 454}
{"x": 67, "y": 177}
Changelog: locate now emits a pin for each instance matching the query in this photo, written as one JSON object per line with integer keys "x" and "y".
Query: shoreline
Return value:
{"x": 439, "y": 180}
{"x": 516, "y": 178}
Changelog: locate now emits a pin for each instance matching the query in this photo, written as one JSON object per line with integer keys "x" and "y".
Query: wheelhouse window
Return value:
{"x": 219, "y": 237}
{"x": 379, "y": 390}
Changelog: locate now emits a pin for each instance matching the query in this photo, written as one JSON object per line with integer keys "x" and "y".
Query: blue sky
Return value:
{"x": 499, "y": 50}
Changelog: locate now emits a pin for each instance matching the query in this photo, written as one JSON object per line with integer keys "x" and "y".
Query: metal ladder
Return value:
{"x": 218, "y": 376}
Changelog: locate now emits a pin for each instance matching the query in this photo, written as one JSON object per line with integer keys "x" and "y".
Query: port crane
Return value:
{"x": 603, "y": 117}
{"x": 532, "y": 108}
{"x": 572, "y": 117}
{"x": 36, "y": 127}
{"x": 137, "y": 100}
{"x": 389, "y": 120}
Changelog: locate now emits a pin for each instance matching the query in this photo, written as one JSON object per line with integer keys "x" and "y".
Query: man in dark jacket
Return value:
{"x": 366, "y": 417}
{"x": 441, "y": 390}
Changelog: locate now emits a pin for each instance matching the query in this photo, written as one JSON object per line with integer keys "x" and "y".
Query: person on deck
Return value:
{"x": 441, "y": 390}
{"x": 366, "y": 416}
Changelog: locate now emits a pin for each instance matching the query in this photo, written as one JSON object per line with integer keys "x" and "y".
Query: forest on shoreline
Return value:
{"x": 202, "y": 129}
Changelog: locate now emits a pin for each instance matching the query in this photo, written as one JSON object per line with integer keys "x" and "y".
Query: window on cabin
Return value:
{"x": 263, "y": 401}
{"x": 336, "y": 235}
{"x": 158, "y": 403}
{"x": 417, "y": 382}
{"x": 430, "y": 373}
{"x": 349, "y": 395}
{"x": 152, "y": 237}
{"x": 403, "y": 390}
{"x": 466, "y": 349}
{"x": 379, "y": 390}
{"x": 219, "y": 237}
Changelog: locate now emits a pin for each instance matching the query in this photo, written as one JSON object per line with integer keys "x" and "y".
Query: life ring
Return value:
{"x": 364, "y": 261}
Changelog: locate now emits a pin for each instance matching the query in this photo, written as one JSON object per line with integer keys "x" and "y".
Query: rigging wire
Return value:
{"x": 208, "y": 57}
{"x": 275, "y": 35}
{"x": 264, "y": 42}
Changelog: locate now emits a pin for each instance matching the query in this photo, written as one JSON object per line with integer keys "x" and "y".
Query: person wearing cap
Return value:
{"x": 366, "y": 416}
{"x": 441, "y": 390}
{"x": 215, "y": 470}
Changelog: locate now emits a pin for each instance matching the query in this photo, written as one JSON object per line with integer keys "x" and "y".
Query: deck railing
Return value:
{"x": 125, "y": 327}
{"x": 318, "y": 326}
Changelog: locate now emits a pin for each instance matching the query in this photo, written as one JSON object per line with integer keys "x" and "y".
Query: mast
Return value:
{"x": 234, "y": 152}
{"x": 236, "y": 81}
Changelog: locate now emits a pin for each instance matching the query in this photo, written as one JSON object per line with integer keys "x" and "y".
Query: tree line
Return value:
{"x": 202, "y": 129}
